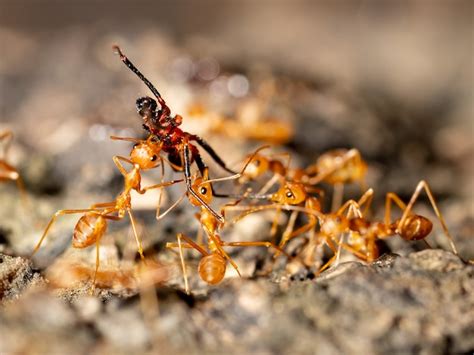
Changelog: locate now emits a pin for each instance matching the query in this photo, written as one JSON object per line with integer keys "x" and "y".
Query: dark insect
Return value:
{"x": 177, "y": 143}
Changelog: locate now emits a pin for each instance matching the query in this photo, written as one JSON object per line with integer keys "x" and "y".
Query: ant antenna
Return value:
{"x": 147, "y": 82}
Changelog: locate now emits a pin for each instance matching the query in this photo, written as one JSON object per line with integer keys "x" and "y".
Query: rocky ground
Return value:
{"x": 398, "y": 89}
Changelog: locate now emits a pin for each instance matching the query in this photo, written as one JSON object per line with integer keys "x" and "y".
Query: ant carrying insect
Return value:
{"x": 93, "y": 224}
{"x": 174, "y": 141}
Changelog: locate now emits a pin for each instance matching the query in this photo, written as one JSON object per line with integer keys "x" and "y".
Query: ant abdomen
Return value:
{"x": 212, "y": 268}
{"x": 415, "y": 227}
{"x": 88, "y": 230}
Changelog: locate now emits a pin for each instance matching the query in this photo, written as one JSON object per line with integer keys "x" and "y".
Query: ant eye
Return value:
{"x": 153, "y": 158}
{"x": 136, "y": 145}
{"x": 289, "y": 194}
{"x": 203, "y": 190}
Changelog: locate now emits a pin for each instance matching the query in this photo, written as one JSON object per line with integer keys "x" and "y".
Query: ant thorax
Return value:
{"x": 333, "y": 224}
{"x": 124, "y": 201}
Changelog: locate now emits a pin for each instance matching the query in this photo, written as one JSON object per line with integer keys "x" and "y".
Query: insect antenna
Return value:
{"x": 147, "y": 82}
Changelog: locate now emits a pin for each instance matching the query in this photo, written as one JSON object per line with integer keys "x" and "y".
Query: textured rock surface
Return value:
{"x": 423, "y": 303}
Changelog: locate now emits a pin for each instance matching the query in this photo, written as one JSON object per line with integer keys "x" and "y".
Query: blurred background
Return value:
{"x": 394, "y": 79}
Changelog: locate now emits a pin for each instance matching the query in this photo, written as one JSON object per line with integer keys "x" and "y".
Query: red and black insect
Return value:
{"x": 175, "y": 142}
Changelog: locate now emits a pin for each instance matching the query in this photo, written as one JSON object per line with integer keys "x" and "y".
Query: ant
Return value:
{"x": 93, "y": 224}
{"x": 337, "y": 167}
{"x": 7, "y": 171}
{"x": 291, "y": 197}
{"x": 410, "y": 227}
{"x": 247, "y": 124}
{"x": 213, "y": 264}
{"x": 174, "y": 141}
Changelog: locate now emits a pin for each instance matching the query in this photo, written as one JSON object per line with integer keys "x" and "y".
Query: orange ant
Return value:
{"x": 270, "y": 130}
{"x": 337, "y": 167}
{"x": 410, "y": 227}
{"x": 7, "y": 171}
{"x": 291, "y": 197}
{"x": 212, "y": 266}
{"x": 293, "y": 177}
{"x": 93, "y": 224}
{"x": 174, "y": 141}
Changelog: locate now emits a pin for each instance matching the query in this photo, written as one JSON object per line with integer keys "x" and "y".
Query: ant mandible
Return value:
{"x": 175, "y": 142}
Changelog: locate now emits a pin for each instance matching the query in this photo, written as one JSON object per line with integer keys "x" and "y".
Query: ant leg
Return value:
{"x": 236, "y": 175}
{"x": 187, "y": 175}
{"x": 355, "y": 252}
{"x": 257, "y": 244}
{"x": 366, "y": 199}
{"x": 160, "y": 191}
{"x": 424, "y": 185}
{"x": 251, "y": 209}
{"x": 104, "y": 205}
{"x": 53, "y": 219}
{"x": 183, "y": 265}
{"x": 303, "y": 229}
{"x": 97, "y": 263}
{"x": 176, "y": 203}
{"x": 190, "y": 244}
{"x": 159, "y": 186}
{"x": 6, "y": 136}
{"x": 326, "y": 265}
{"x": 352, "y": 207}
{"x": 269, "y": 185}
{"x": 223, "y": 253}
{"x": 273, "y": 230}
{"x": 287, "y": 234}
{"x": 137, "y": 238}
{"x": 211, "y": 152}
{"x": 119, "y": 165}
{"x": 227, "y": 178}
{"x": 126, "y": 139}
{"x": 389, "y": 199}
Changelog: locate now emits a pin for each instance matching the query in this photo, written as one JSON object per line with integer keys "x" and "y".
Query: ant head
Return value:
{"x": 291, "y": 193}
{"x": 203, "y": 189}
{"x": 257, "y": 167}
{"x": 146, "y": 107}
{"x": 146, "y": 154}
